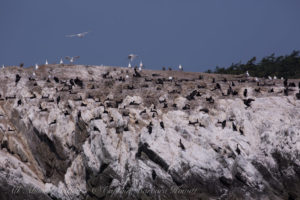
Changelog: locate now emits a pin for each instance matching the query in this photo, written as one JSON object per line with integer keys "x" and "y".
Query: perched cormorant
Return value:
{"x": 162, "y": 124}
{"x": 58, "y": 100}
{"x": 54, "y": 122}
{"x": 204, "y": 110}
{"x": 18, "y": 77}
{"x": 150, "y": 128}
{"x": 56, "y": 79}
{"x": 234, "y": 127}
{"x": 223, "y": 124}
{"x": 247, "y": 102}
{"x": 181, "y": 145}
{"x": 153, "y": 174}
{"x": 285, "y": 82}
{"x": 144, "y": 111}
{"x": 245, "y": 92}
{"x": 237, "y": 149}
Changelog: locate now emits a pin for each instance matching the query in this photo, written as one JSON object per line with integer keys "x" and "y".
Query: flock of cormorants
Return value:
{"x": 158, "y": 81}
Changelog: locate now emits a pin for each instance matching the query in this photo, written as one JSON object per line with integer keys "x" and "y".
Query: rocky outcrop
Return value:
{"x": 90, "y": 132}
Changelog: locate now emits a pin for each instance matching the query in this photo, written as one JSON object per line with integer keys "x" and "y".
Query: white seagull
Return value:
{"x": 36, "y": 67}
{"x": 33, "y": 74}
{"x": 131, "y": 57}
{"x": 79, "y": 35}
{"x": 269, "y": 77}
{"x": 180, "y": 67}
{"x": 256, "y": 79}
{"x": 282, "y": 78}
{"x": 126, "y": 76}
{"x": 61, "y": 61}
{"x": 247, "y": 73}
{"x": 141, "y": 64}
{"x": 170, "y": 78}
{"x": 129, "y": 65}
{"x": 71, "y": 59}
{"x": 274, "y": 77}
{"x": 46, "y": 63}
{"x": 2, "y": 66}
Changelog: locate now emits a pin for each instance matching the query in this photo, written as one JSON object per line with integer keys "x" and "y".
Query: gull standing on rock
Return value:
{"x": 46, "y": 63}
{"x": 2, "y": 66}
{"x": 129, "y": 65}
{"x": 36, "y": 67}
{"x": 247, "y": 74}
{"x": 170, "y": 78}
{"x": 269, "y": 77}
{"x": 71, "y": 59}
{"x": 256, "y": 79}
{"x": 79, "y": 35}
{"x": 61, "y": 61}
{"x": 180, "y": 67}
{"x": 274, "y": 77}
{"x": 141, "y": 66}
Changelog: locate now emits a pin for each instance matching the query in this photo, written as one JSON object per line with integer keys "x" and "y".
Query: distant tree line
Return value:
{"x": 282, "y": 66}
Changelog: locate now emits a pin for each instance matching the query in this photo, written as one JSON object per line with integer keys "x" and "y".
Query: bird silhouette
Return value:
{"x": 72, "y": 59}
{"x": 131, "y": 57}
{"x": 79, "y": 35}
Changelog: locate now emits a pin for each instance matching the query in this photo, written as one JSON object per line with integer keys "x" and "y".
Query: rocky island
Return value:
{"x": 98, "y": 132}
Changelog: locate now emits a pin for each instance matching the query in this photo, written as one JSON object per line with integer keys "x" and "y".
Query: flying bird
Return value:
{"x": 131, "y": 57}
{"x": 79, "y": 35}
{"x": 71, "y": 59}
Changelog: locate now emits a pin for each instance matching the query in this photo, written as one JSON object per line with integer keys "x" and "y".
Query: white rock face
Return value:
{"x": 89, "y": 133}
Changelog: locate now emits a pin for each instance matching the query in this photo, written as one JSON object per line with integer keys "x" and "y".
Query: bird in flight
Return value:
{"x": 131, "y": 57}
{"x": 79, "y": 35}
{"x": 71, "y": 59}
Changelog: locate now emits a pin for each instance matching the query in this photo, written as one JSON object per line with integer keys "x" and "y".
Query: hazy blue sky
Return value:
{"x": 199, "y": 34}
